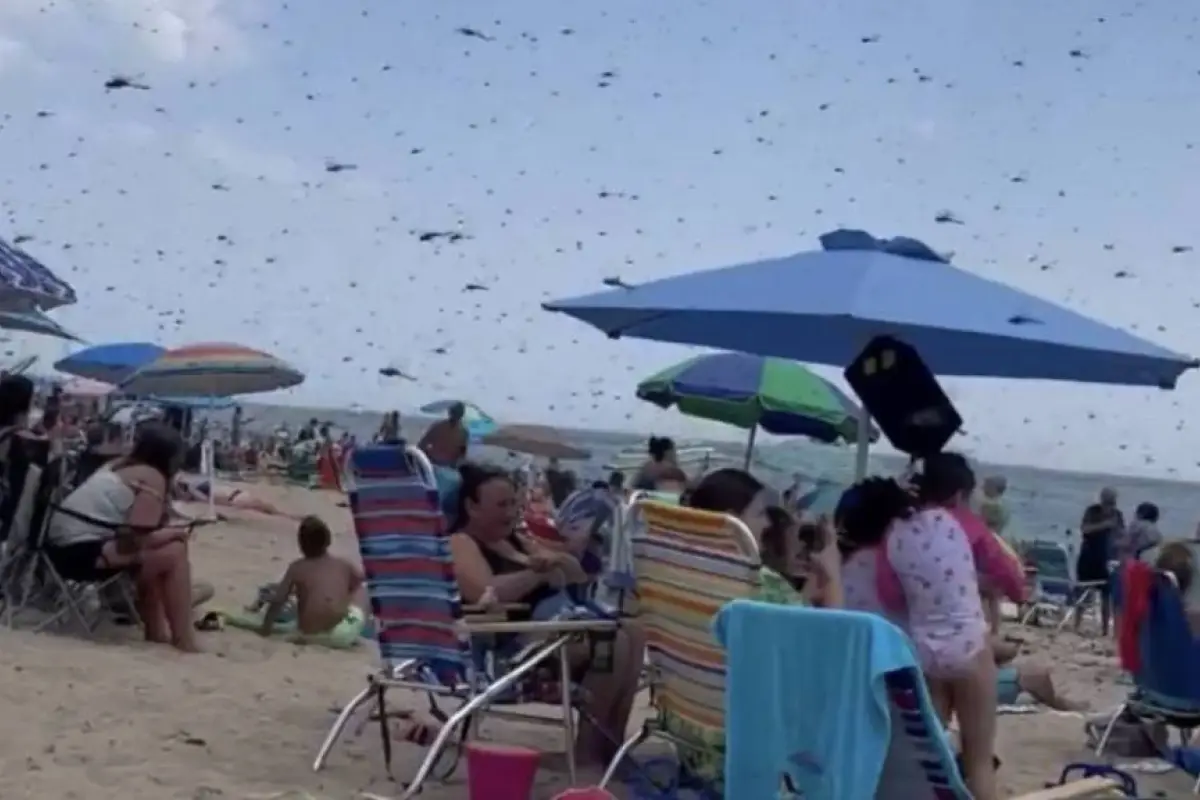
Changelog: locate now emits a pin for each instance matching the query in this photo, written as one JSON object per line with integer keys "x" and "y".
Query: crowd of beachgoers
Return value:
{"x": 925, "y": 550}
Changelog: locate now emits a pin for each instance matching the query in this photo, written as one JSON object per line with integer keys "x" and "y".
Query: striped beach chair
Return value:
{"x": 688, "y": 564}
{"x": 423, "y": 631}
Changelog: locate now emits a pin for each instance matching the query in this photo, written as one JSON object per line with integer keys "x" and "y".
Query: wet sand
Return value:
{"x": 121, "y": 719}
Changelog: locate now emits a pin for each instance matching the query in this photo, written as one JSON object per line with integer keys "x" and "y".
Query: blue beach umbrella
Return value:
{"x": 109, "y": 363}
{"x": 479, "y": 423}
{"x": 823, "y": 307}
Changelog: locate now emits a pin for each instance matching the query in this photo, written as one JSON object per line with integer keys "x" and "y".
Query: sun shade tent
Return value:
{"x": 824, "y": 306}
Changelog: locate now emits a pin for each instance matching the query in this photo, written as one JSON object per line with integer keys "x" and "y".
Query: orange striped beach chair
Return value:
{"x": 688, "y": 564}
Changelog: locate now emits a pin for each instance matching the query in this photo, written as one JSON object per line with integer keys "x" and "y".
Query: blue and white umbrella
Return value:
{"x": 34, "y": 321}
{"x": 26, "y": 283}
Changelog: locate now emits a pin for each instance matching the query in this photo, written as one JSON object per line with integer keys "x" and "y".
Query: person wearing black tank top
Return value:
{"x": 493, "y": 563}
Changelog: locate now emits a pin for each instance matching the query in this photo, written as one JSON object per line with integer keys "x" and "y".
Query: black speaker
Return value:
{"x": 903, "y": 397}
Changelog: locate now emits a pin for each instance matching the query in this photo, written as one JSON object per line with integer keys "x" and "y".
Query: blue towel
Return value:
{"x": 806, "y": 708}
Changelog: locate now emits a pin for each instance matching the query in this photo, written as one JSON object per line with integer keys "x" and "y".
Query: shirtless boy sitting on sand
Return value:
{"x": 326, "y": 586}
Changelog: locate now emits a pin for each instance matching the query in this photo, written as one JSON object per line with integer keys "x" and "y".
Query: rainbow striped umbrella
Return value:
{"x": 212, "y": 370}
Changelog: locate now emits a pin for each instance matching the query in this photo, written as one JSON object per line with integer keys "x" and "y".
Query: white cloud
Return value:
{"x": 11, "y": 52}
{"x": 243, "y": 159}
{"x": 180, "y": 30}
{"x": 171, "y": 30}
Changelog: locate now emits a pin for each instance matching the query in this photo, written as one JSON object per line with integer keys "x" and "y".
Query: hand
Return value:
{"x": 542, "y": 562}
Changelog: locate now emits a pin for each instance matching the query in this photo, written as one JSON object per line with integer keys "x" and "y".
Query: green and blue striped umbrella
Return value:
{"x": 751, "y": 392}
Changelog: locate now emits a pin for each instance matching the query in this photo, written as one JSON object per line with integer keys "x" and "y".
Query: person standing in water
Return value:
{"x": 1102, "y": 525}
{"x": 446, "y": 445}
{"x": 446, "y": 440}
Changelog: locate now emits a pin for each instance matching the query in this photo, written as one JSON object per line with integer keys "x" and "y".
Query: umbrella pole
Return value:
{"x": 750, "y": 447}
{"x": 863, "y": 445}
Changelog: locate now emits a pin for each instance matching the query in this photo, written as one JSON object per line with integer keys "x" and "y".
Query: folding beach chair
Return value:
{"x": 831, "y": 754}
{"x": 688, "y": 563}
{"x": 1166, "y": 688}
{"x": 1055, "y": 588}
{"x": 423, "y": 634}
{"x": 31, "y": 581}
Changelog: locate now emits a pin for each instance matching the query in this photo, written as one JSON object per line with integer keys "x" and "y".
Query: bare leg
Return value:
{"x": 974, "y": 701}
{"x": 610, "y": 701}
{"x": 168, "y": 575}
{"x": 154, "y": 617}
{"x": 1037, "y": 682}
{"x": 627, "y": 669}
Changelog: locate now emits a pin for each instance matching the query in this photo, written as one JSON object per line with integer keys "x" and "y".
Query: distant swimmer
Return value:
{"x": 446, "y": 440}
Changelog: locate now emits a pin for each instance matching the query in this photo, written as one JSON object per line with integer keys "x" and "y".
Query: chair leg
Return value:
{"x": 564, "y": 664}
{"x": 633, "y": 741}
{"x": 1108, "y": 729}
{"x": 476, "y": 703}
{"x": 339, "y": 724}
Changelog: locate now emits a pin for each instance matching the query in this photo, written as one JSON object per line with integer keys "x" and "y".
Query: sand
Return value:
{"x": 121, "y": 719}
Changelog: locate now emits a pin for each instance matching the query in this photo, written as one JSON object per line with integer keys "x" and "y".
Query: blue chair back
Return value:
{"x": 1170, "y": 670}
{"x": 1055, "y": 577}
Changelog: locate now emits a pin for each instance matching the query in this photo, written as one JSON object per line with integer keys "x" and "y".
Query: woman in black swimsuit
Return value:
{"x": 491, "y": 560}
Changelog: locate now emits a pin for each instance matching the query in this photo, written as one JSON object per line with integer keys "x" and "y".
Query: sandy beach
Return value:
{"x": 118, "y": 718}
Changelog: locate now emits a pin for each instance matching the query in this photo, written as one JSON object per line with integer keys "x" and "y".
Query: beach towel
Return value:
{"x": 346, "y": 634}
{"x": 806, "y": 700}
{"x": 1137, "y": 579}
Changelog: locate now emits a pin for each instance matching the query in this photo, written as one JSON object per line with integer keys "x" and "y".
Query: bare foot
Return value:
{"x": 185, "y": 644}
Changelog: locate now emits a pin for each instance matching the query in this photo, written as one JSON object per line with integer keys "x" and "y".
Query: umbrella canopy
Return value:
{"x": 478, "y": 422}
{"x": 212, "y": 370}
{"x": 823, "y": 307}
{"x": 109, "y": 363}
{"x": 535, "y": 440}
{"x": 34, "y": 321}
{"x": 27, "y": 284}
{"x": 777, "y": 395}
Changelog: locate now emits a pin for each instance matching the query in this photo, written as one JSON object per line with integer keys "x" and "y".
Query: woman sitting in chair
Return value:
{"x": 495, "y": 565}
{"x": 787, "y": 560}
{"x": 114, "y": 522}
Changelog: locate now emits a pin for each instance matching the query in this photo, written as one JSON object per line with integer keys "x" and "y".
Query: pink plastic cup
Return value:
{"x": 500, "y": 771}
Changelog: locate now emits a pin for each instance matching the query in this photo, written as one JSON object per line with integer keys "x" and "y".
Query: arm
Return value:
{"x": 475, "y": 576}
{"x": 427, "y": 437}
{"x": 145, "y": 518}
{"x": 1092, "y": 522}
{"x": 357, "y": 581}
{"x": 283, "y": 590}
{"x": 1003, "y": 569}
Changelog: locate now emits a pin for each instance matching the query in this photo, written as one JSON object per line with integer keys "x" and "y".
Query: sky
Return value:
{"x": 563, "y": 143}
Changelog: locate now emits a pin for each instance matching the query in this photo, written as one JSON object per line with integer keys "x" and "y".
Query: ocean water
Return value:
{"x": 1045, "y": 504}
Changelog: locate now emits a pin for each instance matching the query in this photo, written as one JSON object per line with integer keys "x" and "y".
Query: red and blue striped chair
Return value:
{"x": 424, "y": 638}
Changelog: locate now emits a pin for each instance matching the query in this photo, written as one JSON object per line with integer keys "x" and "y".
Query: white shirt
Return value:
{"x": 103, "y": 497}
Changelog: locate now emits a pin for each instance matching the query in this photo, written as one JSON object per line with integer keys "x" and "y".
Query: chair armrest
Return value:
{"x": 494, "y": 609}
{"x": 560, "y": 626}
